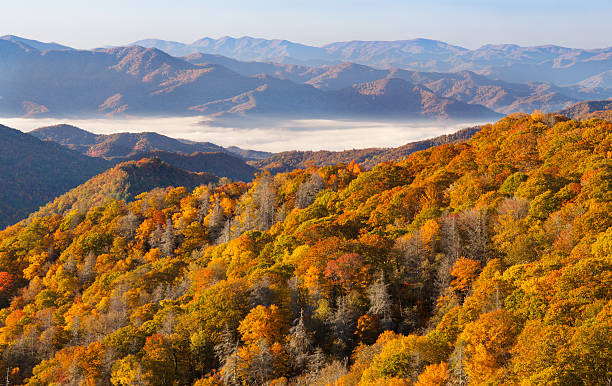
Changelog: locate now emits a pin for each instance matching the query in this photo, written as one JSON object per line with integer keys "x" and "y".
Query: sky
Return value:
{"x": 468, "y": 23}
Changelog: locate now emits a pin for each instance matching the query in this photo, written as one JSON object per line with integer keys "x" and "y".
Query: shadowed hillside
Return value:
{"x": 124, "y": 182}
{"x": 33, "y": 172}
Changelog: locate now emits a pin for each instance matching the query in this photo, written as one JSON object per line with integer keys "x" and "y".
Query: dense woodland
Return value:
{"x": 480, "y": 262}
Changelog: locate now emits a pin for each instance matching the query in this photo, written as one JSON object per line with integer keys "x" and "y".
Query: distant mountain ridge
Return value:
{"x": 147, "y": 81}
{"x": 35, "y": 43}
{"x": 120, "y": 145}
{"x": 508, "y": 62}
{"x": 589, "y": 109}
{"x": 189, "y": 155}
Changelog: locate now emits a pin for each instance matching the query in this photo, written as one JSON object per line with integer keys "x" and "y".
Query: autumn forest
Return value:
{"x": 478, "y": 262}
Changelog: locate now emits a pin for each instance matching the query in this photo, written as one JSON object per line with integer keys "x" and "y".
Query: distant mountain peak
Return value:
{"x": 41, "y": 46}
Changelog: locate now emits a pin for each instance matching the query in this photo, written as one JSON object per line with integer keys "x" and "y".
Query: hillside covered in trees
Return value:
{"x": 33, "y": 172}
{"x": 479, "y": 262}
{"x": 367, "y": 158}
{"x": 124, "y": 182}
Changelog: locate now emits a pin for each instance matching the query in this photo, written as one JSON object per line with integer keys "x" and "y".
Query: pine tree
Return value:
{"x": 342, "y": 323}
{"x": 261, "y": 366}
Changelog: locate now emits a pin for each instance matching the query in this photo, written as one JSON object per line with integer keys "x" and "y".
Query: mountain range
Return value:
{"x": 366, "y": 158}
{"x": 508, "y": 62}
{"x": 189, "y": 155}
{"x": 49, "y": 79}
{"x": 39, "y": 166}
{"x": 147, "y": 81}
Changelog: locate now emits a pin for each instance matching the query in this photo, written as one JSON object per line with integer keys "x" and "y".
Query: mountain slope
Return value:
{"x": 367, "y": 158}
{"x": 33, "y": 172}
{"x": 119, "y": 144}
{"x": 218, "y": 163}
{"x": 188, "y": 155}
{"x": 110, "y": 81}
{"x": 67, "y": 135}
{"x": 465, "y": 86}
{"x": 124, "y": 182}
{"x": 582, "y": 110}
{"x": 385, "y": 98}
{"x": 485, "y": 262}
{"x": 245, "y": 49}
{"x": 146, "y": 81}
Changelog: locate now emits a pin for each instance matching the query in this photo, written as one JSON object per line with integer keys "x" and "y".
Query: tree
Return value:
{"x": 264, "y": 199}
{"x": 307, "y": 192}
{"x": 465, "y": 272}
{"x": 342, "y": 323}
{"x": 262, "y": 323}
{"x": 488, "y": 341}
{"x": 380, "y": 301}
{"x": 300, "y": 344}
{"x": 434, "y": 375}
{"x": 216, "y": 221}
{"x": 6, "y": 283}
{"x": 227, "y": 354}
{"x": 168, "y": 240}
{"x": 127, "y": 371}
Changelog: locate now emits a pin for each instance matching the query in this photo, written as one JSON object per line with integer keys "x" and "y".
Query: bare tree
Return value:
{"x": 474, "y": 223}
{"x": 86, "y": 272}
{"x": 128, "y": 224}
{"x": 300, "y": 344}
{"x": 261, "y": 294}
{"x": 216, "y": 221}
{"x": 380, "y": 301}
{"x": 168, "y": 240}
{"x": 203, "y": 206}
{"x": 342, "y": 323}
{"x": 264, "y": 198}
{"x": 260, "y": 367}
{"x": 307, "y": 193}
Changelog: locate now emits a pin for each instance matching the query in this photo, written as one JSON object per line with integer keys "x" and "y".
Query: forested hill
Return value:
{"x": 124, "y": 182}
{"x": 367, "y": 158}
{"x": 218, "y": 163}
{"x": 479, "y": 262}
{"x": 33, "y": 172}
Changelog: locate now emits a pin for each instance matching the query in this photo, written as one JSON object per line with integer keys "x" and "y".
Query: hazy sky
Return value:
{"x": 469, "y": 23}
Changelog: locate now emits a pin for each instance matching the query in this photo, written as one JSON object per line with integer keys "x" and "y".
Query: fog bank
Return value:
{"x": 274, "y": 135}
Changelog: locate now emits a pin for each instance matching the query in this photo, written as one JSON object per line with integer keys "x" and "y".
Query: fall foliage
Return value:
{"x": 483, "y": 262}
